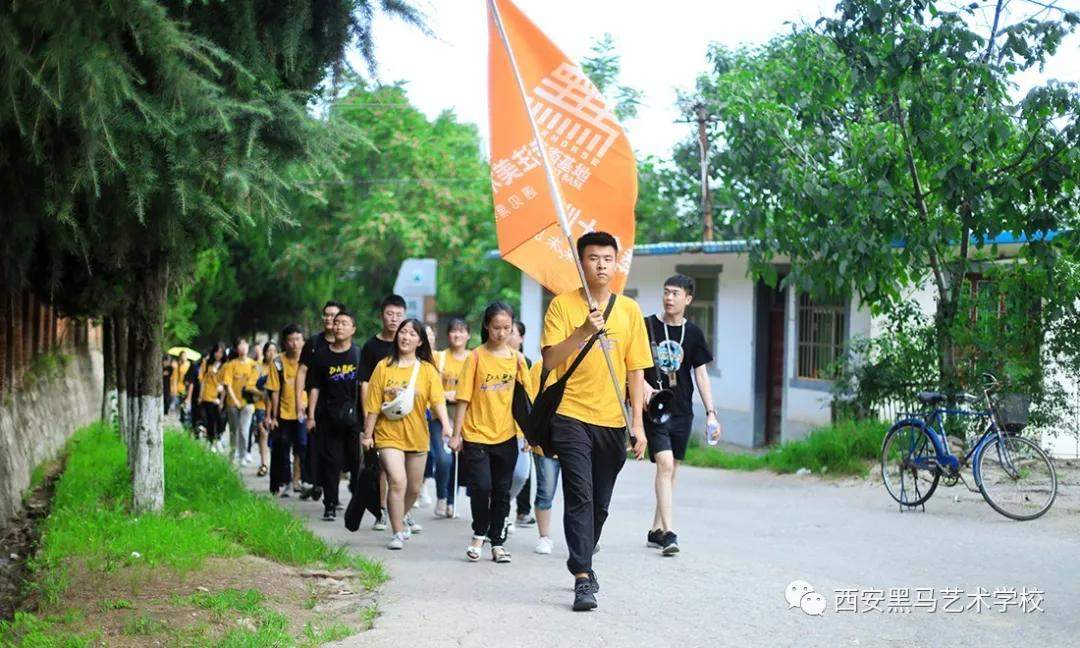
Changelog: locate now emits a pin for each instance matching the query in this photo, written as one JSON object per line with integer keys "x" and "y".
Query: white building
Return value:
{"x": 769, "y": 346}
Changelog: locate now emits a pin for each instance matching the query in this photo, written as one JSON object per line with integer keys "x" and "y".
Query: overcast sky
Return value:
{"x": 662, "y": 46}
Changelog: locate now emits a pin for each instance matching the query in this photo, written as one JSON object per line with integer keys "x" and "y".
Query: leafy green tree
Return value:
{"x": 412, "y": 187}
{"x": 603, "y": 66}
{"x": 883, "y": 149}
{"x": 663, "y": 211}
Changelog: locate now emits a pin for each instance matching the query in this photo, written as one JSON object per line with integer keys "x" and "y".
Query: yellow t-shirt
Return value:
{"x": 265, "y": 369}
{"x": 287, "y": 395}
{"x": 487, "y": 385}
{"x": 409, "y": 434}
{"x": 210, "y": 380}
{"x": 589, "y": 396}
{"x": 241, "y": 374}
{"x": 450, "y": 369}
{"x": 179, "y": 371}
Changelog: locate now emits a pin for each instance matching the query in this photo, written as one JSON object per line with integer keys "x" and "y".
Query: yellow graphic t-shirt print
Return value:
{"x": 499, "y": 381}
{"x": 392, "y": 388}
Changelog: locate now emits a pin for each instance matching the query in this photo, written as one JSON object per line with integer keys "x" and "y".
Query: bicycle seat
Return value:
{"x": 930, "y": 397}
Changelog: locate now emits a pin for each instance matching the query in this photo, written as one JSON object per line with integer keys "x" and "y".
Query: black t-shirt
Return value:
{"x": 683, "y": 358}
{"x": 336, "y": 375}
{"x": 192, "y": 375}
{"x": 311, "y": 345}
{"x": 166, "y": 376}
{"x": 375, "y": 350}
{"x": 192, "y": 378}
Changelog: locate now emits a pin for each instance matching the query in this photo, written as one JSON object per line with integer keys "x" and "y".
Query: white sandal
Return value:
{"x": 473, "y": 553}
{"x": 500, "y": 554}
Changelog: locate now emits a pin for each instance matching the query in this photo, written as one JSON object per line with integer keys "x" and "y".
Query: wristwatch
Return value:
{"x": 710, "y": 411}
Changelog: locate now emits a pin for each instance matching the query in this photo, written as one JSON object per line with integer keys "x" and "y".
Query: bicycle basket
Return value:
{"x": 1012, "y": 411}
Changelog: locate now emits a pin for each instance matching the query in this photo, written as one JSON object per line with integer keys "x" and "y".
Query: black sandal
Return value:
{"x": 263, "y": 470}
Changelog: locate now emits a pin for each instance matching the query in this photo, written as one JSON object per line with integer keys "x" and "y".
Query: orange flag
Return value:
{"x": 588, "y": 153}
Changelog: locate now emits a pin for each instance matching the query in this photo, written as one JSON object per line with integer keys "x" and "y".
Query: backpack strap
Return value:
{"x": 584, "y": 350}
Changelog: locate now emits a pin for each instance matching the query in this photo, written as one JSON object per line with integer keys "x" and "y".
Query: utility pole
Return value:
{"x": 702, "y": 119}
{"x": 703, "y": 149}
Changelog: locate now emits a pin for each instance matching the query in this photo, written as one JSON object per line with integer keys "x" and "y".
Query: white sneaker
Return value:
{"x": 412, "y": 526}
{"x": 407, "y": 532}
{"x": 544, "y": 545}
{"x": 380, "y": 524}
{"x": 425, "y": 498}
{"x": 397, "y": 542}
{"x": 247, "y": 460}
{"x": 440, "y": 508}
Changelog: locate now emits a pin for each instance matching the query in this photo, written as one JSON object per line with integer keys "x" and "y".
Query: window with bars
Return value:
{"x": 822, "y": 334}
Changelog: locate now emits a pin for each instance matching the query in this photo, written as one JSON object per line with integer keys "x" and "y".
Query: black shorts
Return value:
{"x": 673, "y": 435}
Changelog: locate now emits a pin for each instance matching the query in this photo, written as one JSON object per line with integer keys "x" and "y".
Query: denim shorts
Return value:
{"x": 547, "y": 481}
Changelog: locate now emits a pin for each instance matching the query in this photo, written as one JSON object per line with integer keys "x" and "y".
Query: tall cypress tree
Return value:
{"x": 135, "y": 133}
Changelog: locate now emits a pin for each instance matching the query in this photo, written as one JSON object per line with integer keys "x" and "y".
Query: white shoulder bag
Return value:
{"x": 402, "y": 404}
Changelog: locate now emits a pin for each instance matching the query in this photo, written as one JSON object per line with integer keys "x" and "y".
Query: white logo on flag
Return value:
{"x": 569, "y": 109}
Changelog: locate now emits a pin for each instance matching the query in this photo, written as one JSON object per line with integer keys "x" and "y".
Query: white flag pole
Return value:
{"x": 556, "y": 197}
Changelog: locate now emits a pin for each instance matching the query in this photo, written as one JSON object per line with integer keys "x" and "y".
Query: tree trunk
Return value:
{"x": 120, "y": 370}
{"x": 108, "y": 356}
{"x": 145, "y": 391}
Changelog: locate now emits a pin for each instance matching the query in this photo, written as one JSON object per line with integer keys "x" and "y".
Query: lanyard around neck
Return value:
{"x": 682, "y": 334}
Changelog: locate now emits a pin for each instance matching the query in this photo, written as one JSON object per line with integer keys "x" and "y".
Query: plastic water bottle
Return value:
{"x": 711, "y": 435}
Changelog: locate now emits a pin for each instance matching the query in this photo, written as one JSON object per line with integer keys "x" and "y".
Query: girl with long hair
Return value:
{"x": 400, "y": 433}
{"x": 210, "y": 391}
{"x": 485, "y": 431}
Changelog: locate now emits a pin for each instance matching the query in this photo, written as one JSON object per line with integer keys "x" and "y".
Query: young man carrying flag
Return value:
{"x": 588, "y": 431}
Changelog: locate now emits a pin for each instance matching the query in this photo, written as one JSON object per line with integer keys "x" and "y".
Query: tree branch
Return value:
{"x": 920, "y": 198}
{"x": 993, "y": 31}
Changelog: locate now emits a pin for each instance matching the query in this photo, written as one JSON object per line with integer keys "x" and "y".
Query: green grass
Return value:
{"x": 844, "y": 448}
{"x": 208, "y": 513}
{"x": 142, "y": 625}
{"x": 115, "y": 604}
{"x": 330, "y": 631}
{"x": 45, "y": 631}
{"x": 369, "y": 614}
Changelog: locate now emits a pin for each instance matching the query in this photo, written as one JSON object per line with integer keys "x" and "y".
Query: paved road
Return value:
{"x": 745, "y": 536}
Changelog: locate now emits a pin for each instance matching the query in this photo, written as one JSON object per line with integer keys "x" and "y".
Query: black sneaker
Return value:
{"x": 584, "y": 597}
{"x": 595, "y": 583}
{"x": 655, "y": 539}
{"x": 329, "y": 514}
{"x": 316, "y": 493}
{"x": 670, "y": 544}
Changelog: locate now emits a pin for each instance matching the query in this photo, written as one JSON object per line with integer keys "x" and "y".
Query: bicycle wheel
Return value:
{"x": 909, "y": 465}
{"x": 1016, "y": 477}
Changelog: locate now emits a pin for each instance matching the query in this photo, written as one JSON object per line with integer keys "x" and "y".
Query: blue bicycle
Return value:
{"x": 1014, "y": 475}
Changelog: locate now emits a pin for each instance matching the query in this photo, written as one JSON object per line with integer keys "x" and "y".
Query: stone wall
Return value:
{"x": 37, "y": 418}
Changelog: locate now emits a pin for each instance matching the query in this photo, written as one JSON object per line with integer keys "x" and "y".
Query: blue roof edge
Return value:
{"x": 738, "y": 246}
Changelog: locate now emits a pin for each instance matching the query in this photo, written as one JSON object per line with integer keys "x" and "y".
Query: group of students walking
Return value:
{"x": 398, "y": 407}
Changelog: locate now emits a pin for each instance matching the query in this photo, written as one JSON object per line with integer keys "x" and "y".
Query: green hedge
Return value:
{"x": 845, "y": 448}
